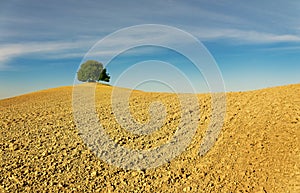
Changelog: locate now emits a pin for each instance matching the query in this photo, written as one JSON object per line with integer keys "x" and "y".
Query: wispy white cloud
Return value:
{"x": 285, "y": 48}
{"x": 64, "y": 49}
{"x": 244, "y": 36}
{"x": 59, "y": 49}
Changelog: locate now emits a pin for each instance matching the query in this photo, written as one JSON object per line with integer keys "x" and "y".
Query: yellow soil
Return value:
{"x": 258, "y": 149}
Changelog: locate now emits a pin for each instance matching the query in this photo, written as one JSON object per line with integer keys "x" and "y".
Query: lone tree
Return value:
{"x": 92, "y": 71}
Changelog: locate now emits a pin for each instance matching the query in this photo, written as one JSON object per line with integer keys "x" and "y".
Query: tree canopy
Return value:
{"x": 104, "y": 76}
{"x": 92, "y": 71}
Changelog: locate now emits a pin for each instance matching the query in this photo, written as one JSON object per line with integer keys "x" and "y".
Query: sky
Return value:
{"x": 255, "y": 44}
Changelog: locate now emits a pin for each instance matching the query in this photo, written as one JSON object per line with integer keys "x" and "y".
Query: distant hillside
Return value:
{"x": 258, "y": 149}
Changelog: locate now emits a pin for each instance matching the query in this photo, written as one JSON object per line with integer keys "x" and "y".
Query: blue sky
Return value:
{"x": 256, "y": 44}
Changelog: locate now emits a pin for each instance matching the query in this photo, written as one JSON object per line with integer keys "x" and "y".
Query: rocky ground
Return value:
{"x": 258, "y": 149}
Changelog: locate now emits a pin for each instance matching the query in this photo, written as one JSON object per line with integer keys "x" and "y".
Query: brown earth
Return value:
{"x": 258, "y": 149}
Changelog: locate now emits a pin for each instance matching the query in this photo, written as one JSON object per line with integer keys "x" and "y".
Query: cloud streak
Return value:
{"x": 59, "y": 49}
{"x": 245, "y": 36}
